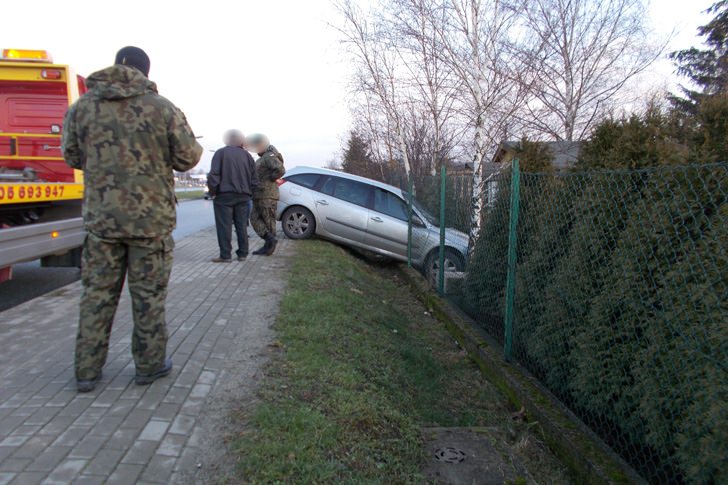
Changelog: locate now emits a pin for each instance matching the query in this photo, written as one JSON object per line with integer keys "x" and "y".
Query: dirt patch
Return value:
{"x": 224, "y": 415}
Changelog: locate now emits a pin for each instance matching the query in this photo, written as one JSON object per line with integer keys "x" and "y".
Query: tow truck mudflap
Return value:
{"x": 42, "y": 240}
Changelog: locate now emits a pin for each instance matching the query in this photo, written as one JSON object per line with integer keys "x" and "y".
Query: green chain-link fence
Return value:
{"x": 619, "y": 299}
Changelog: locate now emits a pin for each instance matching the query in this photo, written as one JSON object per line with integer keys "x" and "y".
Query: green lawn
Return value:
{"x": 189, "y": 194}
{"x": 361, "y": 368}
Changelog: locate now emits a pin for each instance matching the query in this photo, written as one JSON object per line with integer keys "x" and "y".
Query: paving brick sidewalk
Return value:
{"x": 123, "y": 433}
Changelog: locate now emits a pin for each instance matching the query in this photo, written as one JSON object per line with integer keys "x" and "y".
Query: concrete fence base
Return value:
{"x": 588, "y": 458}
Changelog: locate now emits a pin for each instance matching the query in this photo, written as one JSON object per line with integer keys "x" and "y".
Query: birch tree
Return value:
{"x": 583, "y": 53}
{"x": 415, "y": 23}
{"x": 368, "y": 42}
{"x": 476, "y": 43}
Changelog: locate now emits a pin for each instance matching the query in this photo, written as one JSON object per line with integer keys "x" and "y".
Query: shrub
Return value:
{"x": 621, "y": 290}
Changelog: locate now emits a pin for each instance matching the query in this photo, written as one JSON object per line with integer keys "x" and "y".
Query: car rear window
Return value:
{"x": 305, "y": 179}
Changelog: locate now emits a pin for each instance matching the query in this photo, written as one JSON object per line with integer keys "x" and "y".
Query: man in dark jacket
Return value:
{"x": 231, "y": 181}
{"x": 127, "y": 139}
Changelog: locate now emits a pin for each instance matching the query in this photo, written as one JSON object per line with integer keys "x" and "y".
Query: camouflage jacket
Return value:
{"x": 127, "y": 139}
{"x": 270, "y": 168}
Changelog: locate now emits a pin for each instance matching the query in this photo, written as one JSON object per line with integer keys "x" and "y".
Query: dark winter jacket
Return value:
{"x": 232, "y": 171}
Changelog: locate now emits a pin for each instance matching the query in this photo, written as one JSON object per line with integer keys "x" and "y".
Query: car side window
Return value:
{"x": 352, "y": 191}
{"x": 329, "y": 186}
{"x": 348, "y": 190}
{"x": 389, "y": 204}
{"x": 308, "y": 180}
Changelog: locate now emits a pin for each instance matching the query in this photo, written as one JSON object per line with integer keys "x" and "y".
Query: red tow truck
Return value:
{"x": 40, "y": 196}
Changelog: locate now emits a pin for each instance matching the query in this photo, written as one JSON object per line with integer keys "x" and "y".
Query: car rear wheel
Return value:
{"x": 453, "y": 263}
{"x": 298, "y": 223}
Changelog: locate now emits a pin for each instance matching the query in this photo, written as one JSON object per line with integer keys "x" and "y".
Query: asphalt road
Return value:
{"x": 30, "y": 280}
{"x": 193, "y": 215}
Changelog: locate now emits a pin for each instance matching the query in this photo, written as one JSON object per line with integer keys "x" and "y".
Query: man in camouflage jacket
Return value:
{"x": 265, "y": 197}
{"x": 127, "y": 139}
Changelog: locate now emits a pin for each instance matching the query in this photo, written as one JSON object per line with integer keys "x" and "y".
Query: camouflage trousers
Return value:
{"x": 147, "y": 264}
{"x": 263, "y": 217}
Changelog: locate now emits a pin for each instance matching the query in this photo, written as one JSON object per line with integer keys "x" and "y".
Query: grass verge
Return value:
{"x": 189, "y": 194}
{"x": 362, "y": 367}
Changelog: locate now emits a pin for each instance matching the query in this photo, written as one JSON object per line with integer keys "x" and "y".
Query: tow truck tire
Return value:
{"x": 71, "y": 259}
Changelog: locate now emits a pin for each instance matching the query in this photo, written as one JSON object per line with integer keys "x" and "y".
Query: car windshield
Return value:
{"x": 421, "y": 209}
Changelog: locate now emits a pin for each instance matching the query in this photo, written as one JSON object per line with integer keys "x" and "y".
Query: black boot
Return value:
{"x": 88, "y": 385}
{"x": 266, "y": 247}
{"x": 272, "y": 243}
{"x": 146, "y": 379}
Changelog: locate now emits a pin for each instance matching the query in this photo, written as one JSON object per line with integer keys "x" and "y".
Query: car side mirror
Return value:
{"x": 417, "y": 222}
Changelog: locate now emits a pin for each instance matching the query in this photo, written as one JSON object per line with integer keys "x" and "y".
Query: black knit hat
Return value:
{"x": 133, "y": 57}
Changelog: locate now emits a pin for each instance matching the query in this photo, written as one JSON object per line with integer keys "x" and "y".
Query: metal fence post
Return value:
{"x": 409, "y": 222}
{"x": 512, "y": 245}
{"x": 441, "y": 272}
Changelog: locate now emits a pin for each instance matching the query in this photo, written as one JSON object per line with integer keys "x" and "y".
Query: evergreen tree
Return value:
{"x": 640, "y": 273}
{"x": 707, "y": 68}
{"x": 485, "y": 283}
{"x": 357, "y": 160}
{"x": 701, "y": 117}
{"x": 621, "y": 284}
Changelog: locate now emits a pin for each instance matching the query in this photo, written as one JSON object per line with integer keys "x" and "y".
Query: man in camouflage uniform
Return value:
{"x": 265, "y": 197}
{"x": 127, "y": 139}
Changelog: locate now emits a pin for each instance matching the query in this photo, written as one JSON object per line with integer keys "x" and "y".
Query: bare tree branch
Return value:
{"x": 584, "y": 52}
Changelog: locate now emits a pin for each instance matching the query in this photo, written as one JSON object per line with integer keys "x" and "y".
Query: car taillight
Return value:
{"x": 280, "y": 182}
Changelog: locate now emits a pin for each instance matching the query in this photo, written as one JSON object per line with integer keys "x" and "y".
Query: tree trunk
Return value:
{"x": 476, "y": 201}
{"x": 403, "y": 148}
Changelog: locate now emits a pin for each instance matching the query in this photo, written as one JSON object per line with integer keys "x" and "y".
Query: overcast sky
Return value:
{"x": 272, "y": 66}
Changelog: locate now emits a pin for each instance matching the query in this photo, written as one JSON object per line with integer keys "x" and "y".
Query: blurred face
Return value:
{"x": 234, "y": 139}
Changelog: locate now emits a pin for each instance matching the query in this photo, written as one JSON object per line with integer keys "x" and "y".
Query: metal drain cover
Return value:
{"x": 450, "y": 455}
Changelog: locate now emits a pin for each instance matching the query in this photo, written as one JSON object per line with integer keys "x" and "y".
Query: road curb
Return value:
{"x": 586, "y": 456}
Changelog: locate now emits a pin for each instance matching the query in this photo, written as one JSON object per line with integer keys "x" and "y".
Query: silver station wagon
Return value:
{"x": 365, "y": 214}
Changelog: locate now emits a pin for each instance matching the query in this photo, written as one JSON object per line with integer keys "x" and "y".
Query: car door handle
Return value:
{"x": 377, "y": 219}
{"x": 322, "y": 202}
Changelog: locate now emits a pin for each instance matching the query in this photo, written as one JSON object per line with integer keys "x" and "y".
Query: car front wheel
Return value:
{"x": 298, "y": 223}
{"x": 453, "y": 263}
